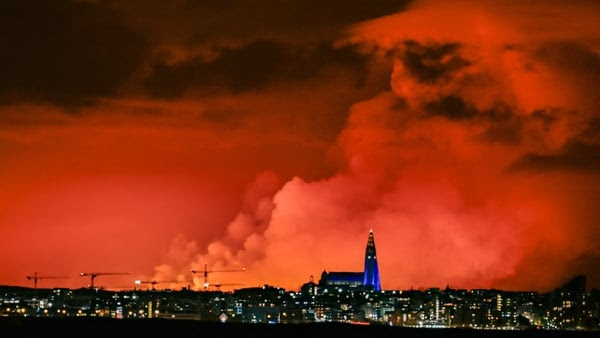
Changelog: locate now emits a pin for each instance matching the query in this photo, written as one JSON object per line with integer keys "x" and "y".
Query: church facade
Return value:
{"x": 369, "y": 278}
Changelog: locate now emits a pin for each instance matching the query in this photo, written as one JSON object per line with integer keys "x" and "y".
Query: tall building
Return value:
{"x": 371, "y": 273}
{"x": 368, "y": 278}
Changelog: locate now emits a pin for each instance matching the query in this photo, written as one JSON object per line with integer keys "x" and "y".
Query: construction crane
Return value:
{"x": 206, "y": 272}
{"x": 217, "y": 286}
{"x": 154, "y": 282}
{"x": 93, "y": 275}
{"x": 37, "y": 277}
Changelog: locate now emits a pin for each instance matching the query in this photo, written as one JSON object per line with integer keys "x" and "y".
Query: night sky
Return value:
{"x": 152, "y": 137}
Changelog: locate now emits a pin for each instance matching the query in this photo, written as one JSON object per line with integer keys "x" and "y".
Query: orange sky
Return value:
{"x": 154, "y": 139}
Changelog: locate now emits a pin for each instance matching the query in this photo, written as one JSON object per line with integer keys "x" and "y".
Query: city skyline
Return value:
{"x": 141, "y": 141}
{"x": 567, "y": 307}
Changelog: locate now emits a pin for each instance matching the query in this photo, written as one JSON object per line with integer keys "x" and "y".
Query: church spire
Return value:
{"x": 371, "y": 274}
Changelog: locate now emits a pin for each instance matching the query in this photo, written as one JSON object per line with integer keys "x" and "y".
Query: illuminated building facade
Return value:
{"x": 371, "y": 273}
{"x": 369, "y": 278}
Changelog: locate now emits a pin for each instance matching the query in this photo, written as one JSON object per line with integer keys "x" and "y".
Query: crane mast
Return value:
{"x": 93, "y": 275}
{"x": 154, "y": 282}
{"x": 205, "y": 273}
{"x": 37, "y": 277}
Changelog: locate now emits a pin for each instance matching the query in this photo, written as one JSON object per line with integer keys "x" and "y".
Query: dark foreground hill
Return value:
{"x": 112, "y": 328}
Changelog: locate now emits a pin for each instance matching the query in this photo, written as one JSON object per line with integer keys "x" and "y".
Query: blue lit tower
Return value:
{"x": 371, "y": 274}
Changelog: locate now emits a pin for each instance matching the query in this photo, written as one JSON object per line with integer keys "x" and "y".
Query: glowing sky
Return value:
{"x": 153, "y": 137}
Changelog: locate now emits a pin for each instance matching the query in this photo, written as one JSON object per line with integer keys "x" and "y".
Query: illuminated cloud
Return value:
{"x": 447, "y": 166}
{"x": 465, "y": 134}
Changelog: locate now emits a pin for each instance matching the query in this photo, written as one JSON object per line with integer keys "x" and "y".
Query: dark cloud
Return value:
{"x": 64, "y": 52}
{"x": 570, "y": 56}
{"x": 592, "y": 131}
{"x": 452, "y": 107}
{"x": 256, "y": 66}
{"x": 546, "y": 116}
{"x": 72, "y": 52}
{"x": 429, "y": 63}
{"x": 509, "y": 132}
{"x": 502, "y": 125}
{"x": 574, "y": 155}
{"x": 505, "y": 127}
{"x": 455, "y": 107}
{"x": 578, "y": 66}
{"x": 247, "y": 20}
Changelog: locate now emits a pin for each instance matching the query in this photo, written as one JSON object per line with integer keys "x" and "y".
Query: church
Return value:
{"x": 369, "y": 278}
